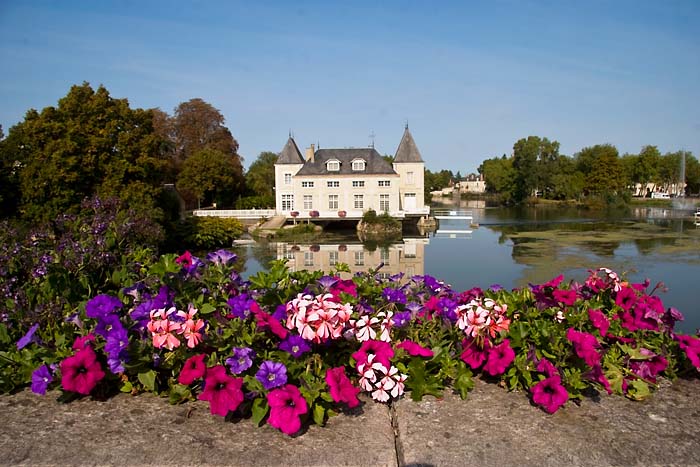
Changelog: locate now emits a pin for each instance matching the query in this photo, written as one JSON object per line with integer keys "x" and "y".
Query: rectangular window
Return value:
{"x": 359, "y": 258}
{"x": 384, "y": 256}
{"x": 333, "y": 184}
{"x": 385, "y": 276}
{"x": 384, "y": 203}
{"x": 308, "y": 202}
{"x": 333, "y": 166}
{"x": 307, "y": 184}
{"x": 409, "y": 178}
{"x": 289, "y": 254}
{"x": 359, "y": 202}
{"x": 384, "y": 182}
{"x": 308, "y": 258}
{"x": 358, "y": 165}
{"x": 358, "y": 183}
{"x": 333, "y": 202}
{"x": 332, "y": 258}
{"x": 287, "y": 179}
{"x": 287, "y": 202}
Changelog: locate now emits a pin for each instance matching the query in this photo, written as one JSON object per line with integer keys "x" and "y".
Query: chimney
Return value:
{"x": 310, "y": 153}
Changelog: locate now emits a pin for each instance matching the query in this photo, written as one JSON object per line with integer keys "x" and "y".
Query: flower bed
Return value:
{"x": 291, "y": 348}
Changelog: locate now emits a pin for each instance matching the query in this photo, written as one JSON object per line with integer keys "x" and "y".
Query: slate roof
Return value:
{"x": 374, "y": 163}
{"x": 407, "y": 150}
{"x": 290, "y": 153}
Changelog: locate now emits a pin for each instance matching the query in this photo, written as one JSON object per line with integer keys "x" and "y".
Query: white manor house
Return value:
{"x": 345, "y": 183}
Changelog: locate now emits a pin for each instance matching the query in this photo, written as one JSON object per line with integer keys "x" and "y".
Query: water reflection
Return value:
{"x": 407, "y": 256}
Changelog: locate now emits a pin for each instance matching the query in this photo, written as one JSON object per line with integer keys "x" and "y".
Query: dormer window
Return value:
{"x": 358, "y": 165}
{"x": 333, "y": 165}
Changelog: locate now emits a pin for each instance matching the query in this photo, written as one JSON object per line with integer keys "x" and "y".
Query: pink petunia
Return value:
{"x": 691, "y": 346}
{"x": 193, "y": 369}
{"x": 596, "y": 374}
{"x": 342, "y": 390}
{"x": 626, "y": 298}
{"x": 83, "y": 341}
{"x": 222, "y": 391}
{"x": 415, "y": 350}
{"x": 499, "y": 357}
{"x": 546, "y": 367}
{"x": 286, "y": 407}
{"x": 549, "y": 394}
{"x": 81, "y": 372}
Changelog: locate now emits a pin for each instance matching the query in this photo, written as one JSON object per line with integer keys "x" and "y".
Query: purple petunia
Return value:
{"x": 222, "y": 257}
{"x": 41, "y": 378}
{"x": 102, "y": 305}
{"x": 295, "y": 345}
{"x": 394, "y": 295}
{"x": 241, "y": 360}
{"x": 272, "y": 374}
{"x": 401, "y": 318}
{"x": 107, "y": 325}
{"x": 327, "y": 281}
{"x": 240, "y": 305}
{"x": 28, "y": 338}
{"x": 116, "y": 349}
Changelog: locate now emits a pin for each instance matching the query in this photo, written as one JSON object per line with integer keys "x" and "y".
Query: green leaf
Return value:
{"x": 638, "y": 390}
{"x": 126, "y": 387}
{"x": 463, "y": 383}
{"x": 319, "y": 414}
{"x": 207, "y": 309}
{"x": 4, "y": 337}
{"x": 260, "y": 409}
{"x": 148, "y": 379}
{"x": 179, "y": 393}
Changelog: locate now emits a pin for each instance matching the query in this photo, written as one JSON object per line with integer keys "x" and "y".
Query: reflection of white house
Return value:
{"x": 407, "y": 257}
{"x": 339, "y": 183}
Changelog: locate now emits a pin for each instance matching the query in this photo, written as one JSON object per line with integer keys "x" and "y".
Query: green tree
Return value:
{"x": 499, "y": 175}
{"x": 209, "y": 176}
{"x": 261, "y": 173}
{"x": 89, "y": 144}
{"x": 647, "y": 166}
{"x": 532, "y": 157}
{"x": 692, "y": 175}
{"x": 602, "y": 170}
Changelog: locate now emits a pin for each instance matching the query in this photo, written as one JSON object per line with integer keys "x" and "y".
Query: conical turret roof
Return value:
{"x": 407, "y": 150}
{"x": 290, "y": 153}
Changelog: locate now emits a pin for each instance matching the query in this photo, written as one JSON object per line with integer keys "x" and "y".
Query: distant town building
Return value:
{"x": 338, "y": 183}
{"x": 472, "y": 183}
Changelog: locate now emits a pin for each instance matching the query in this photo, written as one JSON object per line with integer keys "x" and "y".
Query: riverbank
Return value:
{"x": 491, "y": 427}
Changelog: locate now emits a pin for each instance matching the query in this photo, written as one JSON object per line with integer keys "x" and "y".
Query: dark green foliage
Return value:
{"x": 261, "y": 175}
{"x": 90, "y": 144}
{"x": 198, "y": 233}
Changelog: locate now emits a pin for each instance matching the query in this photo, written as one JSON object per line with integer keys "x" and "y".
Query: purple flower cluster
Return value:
{"x": 105, "y": 309}
{"x": 240, "y": 305}
{"x": 394, "y": 295}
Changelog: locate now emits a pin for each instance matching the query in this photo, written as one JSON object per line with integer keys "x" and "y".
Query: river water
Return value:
{"x": 514, "y": 247}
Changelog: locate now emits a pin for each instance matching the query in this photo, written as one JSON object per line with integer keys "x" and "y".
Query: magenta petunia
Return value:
{"x": 567, "y": 297}
{"x": 286, "y": 407}
{"x": 596, "y": 374}
{"x": 83, "y": 341}
{"x": 415, "y": 349}
{"x": 546, "y": 367}
{"x": 381, "y": 350}
{"x": 599, "y": 321}
{"x": 222, "y": 391}
{"x": 499, "y": 357}
{"x": 549, "y": 394}
{"x": 472, "y": 354}
{"x": 691, "y": 346}
{"x": 585, "y": 346}
{"x": 626, "y": 298}
{"x": 267, "y": 321}
{"x": 193, "y": 369}
{"x": 342, "y": 390}
{"x": 81, "y": 372}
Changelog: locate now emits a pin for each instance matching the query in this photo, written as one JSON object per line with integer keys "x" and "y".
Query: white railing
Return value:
{"x": 452, "y": 213}
{"x": 237, "y": 213}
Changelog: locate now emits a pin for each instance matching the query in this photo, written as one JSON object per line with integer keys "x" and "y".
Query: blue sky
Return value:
{"x": 470, "y": 78}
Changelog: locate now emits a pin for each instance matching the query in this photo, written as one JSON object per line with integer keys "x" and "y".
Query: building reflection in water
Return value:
{"x": 407, "y": 257}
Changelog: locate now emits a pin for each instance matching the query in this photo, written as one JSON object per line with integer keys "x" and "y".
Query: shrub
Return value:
{"x": 206, "y": 233}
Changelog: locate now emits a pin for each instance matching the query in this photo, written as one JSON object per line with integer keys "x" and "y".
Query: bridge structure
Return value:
{"x": 453, "y": 223}
{"x": 243, "y": 214}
